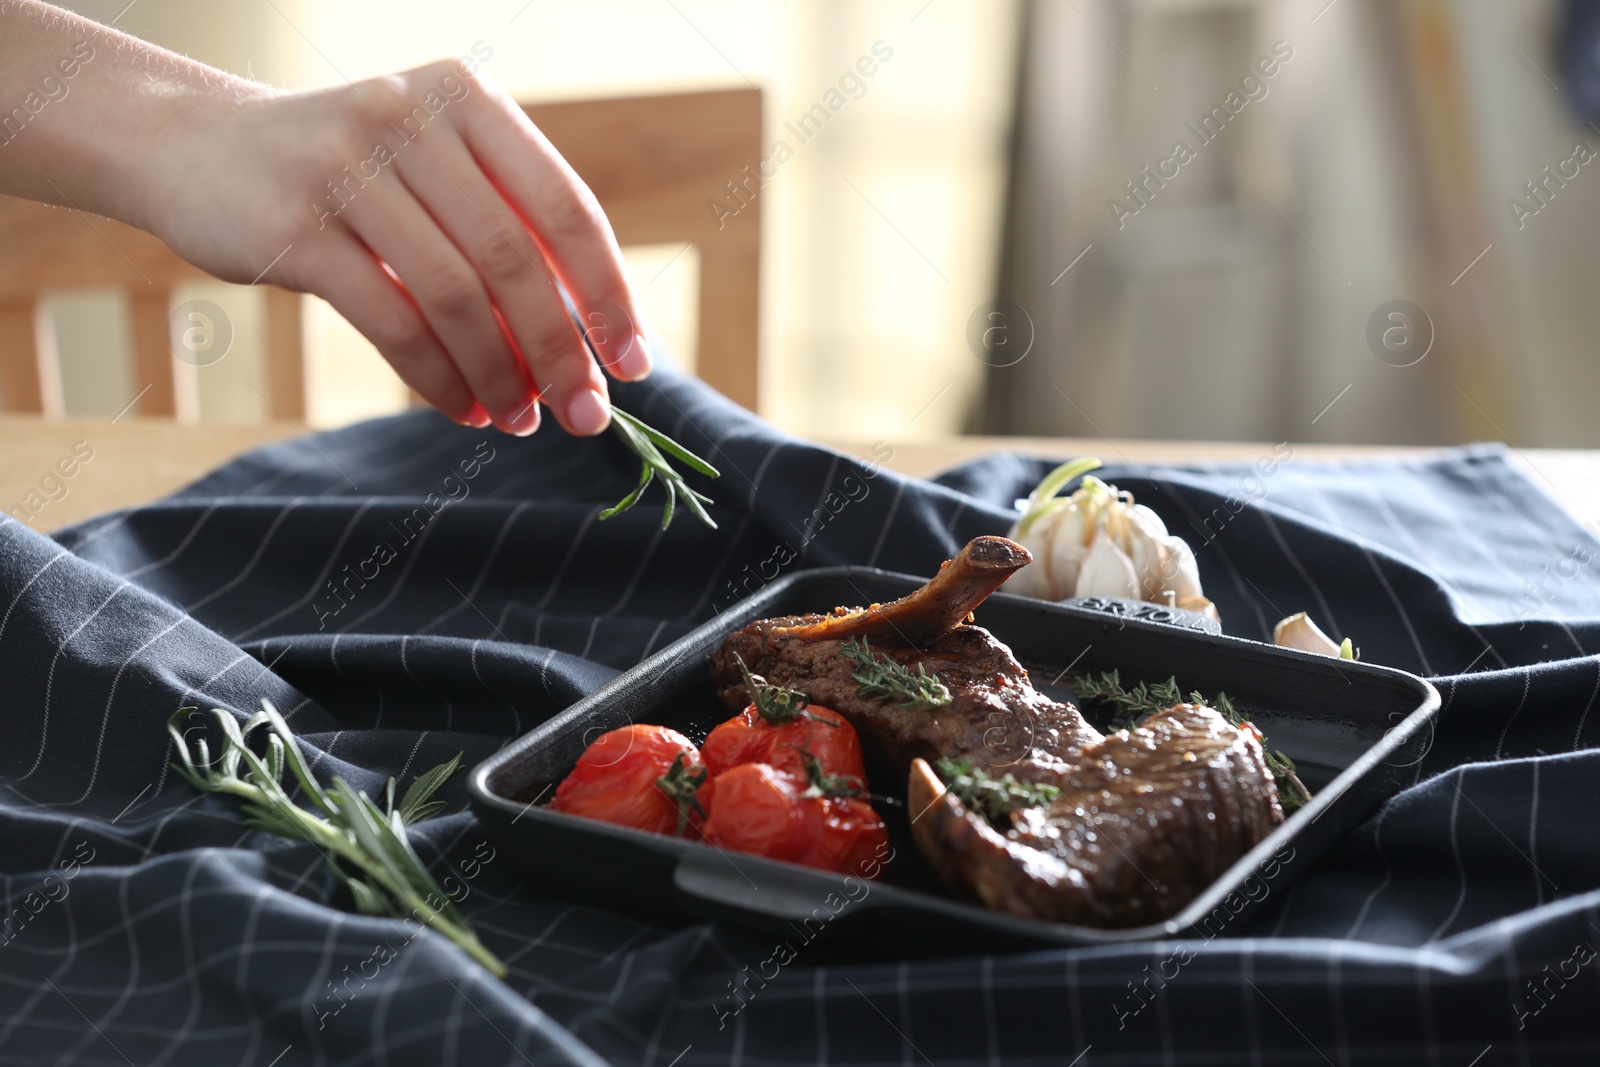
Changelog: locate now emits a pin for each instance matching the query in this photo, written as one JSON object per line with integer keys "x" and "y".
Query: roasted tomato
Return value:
{"x": 759, "y": 813}
{"x": 643, "y": 776}
{"x": 778, "y": 728}
{"x": 821, "y": 822}
{"x": 846, "y": 835}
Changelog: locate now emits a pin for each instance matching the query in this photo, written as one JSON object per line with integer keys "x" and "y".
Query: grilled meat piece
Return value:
{"x": 1181, "y": 797}
{"x": 995, "y": 716}
{"x": 1145, "y": 821}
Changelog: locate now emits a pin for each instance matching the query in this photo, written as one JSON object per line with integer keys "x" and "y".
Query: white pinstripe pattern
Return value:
{"x": 1527, "y": 686}
{"x": 50, "y": 678}
{"x": 182, "y": 546}
{"x": 1533, "y": 835}
{"x": 413, "y": 552}
{"x": 1399, "y": 606}
{"x": 255, "y": 558}
{"x": 1577, "y": 735}
{"x": 317, "y": 583}
{"x": 94, "y": 770}
{"x": 516, "y": 716}
{"x": 561, "y": 570}
{"x": 405, "y": 667}
{"x": 822, "y": 494}
{"x": 1541, "y": 531}
{"x": 1423, "y": 555}
{"x": 483, "y": 571}
{"x": 888, "y": 521}
{"x": 1455, "y": 854}
{"x": 1324, "y": 609}
{"x": 5, "y": 620}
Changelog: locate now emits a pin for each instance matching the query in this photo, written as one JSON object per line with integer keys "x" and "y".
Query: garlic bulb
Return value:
{"x": 1298, "y": 631}
{"x": 1098, "y": 542}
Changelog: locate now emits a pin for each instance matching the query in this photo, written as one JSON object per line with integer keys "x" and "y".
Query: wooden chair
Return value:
{"x": 656, "y": 163}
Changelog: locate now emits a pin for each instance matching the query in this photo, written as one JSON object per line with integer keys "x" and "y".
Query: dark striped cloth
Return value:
{"x": 407, "y": 589}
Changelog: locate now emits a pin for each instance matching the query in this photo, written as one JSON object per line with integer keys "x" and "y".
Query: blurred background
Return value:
{"x": 1000, "y": 233}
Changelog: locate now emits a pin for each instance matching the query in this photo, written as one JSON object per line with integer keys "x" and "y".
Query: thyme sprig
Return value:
{"x": 1292, "y": 792}
{"x": 366, "y": 846}
{"x": 776, "y": 704}
{"x": 648, "y": 443}
{"x": 1143, "y": 699}
{"x": 882, "y": 678}
{"x": 1133, "y": 705}
{"x": 989, "y": 796}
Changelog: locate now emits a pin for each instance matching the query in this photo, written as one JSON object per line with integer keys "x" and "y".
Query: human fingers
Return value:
{"x": 491, "y": 236}
{"x": 533, "y": 179}
{"x": 451, "y": 297}
{"x": 347, "y": 274}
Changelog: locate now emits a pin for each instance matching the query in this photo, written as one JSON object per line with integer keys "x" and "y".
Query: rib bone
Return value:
{"x": 938, "y": 607}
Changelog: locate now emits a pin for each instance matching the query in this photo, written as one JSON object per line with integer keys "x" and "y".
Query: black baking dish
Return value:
{"x": 1355, "y": 730}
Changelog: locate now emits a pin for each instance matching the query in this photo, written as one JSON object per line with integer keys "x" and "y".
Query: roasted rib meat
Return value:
{"x": 995, "y": 715}
{"x": 1146, "y": 819}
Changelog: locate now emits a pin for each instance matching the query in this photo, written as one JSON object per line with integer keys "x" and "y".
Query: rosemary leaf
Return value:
{"x": 418, "y": 803}
{"x": 882, "y": 678}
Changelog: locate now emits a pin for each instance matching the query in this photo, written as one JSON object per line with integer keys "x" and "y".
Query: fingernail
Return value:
{"x": 524, "y": 420}
{"x": 587, "y": 413}
{"x": 635, "y": 362}
{"x": 476, "y": 416}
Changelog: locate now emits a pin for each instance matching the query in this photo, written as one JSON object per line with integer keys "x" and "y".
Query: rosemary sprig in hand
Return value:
{"x": 1142, "y": 700}
{"x": 881, "y": 678}
{"x": 366, "y": 846}
{"x": 648, "y": 443}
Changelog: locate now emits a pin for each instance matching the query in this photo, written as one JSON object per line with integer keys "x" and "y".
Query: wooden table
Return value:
{"x": 135, "y": 460}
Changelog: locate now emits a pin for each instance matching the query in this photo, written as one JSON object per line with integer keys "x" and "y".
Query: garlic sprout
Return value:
{"x": 1098, "y": 542}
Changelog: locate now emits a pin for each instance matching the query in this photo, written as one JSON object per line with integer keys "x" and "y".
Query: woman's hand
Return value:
{"x": 424, "y": 206}
{"x": 432, "y": 214}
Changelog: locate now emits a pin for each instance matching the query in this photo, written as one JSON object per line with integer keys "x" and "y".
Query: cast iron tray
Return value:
{"x": 1356, "y": 732}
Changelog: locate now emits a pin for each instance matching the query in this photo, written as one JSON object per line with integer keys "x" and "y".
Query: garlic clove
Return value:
{"x": 1034, "y": 579}
{"x": 1068, "y": 550}
{"x": 1181, "y": 571}
{"x": 1147, "y": 520}
{"x": 1107, "y": 571}
{"x": 1147, "y": 547}
{"x": 1298, "y": 631}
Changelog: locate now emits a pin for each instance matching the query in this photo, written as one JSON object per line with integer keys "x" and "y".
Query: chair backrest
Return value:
{"x": 659, "y": 165}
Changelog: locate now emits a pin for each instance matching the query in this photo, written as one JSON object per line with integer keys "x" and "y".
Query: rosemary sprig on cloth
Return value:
{"x": 366, "y": 846}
